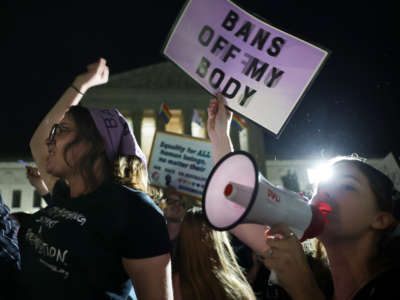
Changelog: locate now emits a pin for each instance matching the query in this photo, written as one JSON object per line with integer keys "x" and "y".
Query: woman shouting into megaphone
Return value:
{"x": 361, "y": 238}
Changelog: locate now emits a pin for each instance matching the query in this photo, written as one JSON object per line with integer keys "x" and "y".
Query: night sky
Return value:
{"x": 350, "y": 108}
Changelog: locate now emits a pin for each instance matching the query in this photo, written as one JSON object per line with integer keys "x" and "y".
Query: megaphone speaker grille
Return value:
{"x": 236, "y": 167}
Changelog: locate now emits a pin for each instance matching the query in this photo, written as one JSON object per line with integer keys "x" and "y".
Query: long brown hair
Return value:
{"x": 384, "y": 193}
{"x": 206, "y": 263}
{"x": 86, "y": 131}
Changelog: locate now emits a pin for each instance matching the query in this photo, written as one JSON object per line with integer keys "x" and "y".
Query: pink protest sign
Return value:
{"x": 261, "y": 70}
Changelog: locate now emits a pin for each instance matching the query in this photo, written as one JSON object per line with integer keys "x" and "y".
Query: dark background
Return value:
{"x": 350, "y": 108}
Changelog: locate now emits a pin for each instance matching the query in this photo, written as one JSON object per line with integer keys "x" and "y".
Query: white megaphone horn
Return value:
{"x": 237, "y": 194}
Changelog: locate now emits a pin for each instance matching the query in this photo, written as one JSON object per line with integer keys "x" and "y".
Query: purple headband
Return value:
{"x": 119, "y": 138}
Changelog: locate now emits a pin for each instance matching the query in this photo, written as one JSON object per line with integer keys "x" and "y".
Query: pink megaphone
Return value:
{"x": 238, "y": 198}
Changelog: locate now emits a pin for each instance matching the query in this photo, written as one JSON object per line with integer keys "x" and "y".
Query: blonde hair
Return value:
{"x": 129, "y": 170}
{"x": 206, "y": 263}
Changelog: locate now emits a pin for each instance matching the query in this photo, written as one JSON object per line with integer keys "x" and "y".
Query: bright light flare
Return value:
{"x": 322, "y": 172}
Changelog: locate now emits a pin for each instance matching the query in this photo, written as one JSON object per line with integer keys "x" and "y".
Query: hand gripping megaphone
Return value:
{"x": 238, "y": 198}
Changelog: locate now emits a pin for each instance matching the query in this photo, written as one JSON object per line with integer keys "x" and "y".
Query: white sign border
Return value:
{"x": 301, "y": 95}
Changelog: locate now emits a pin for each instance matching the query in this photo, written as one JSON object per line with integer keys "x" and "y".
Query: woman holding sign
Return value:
{"x": 92, "y": 242}
{"x": 362, "y": 238}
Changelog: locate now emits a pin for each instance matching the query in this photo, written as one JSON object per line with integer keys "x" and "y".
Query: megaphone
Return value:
{"x": 237, "y": 194}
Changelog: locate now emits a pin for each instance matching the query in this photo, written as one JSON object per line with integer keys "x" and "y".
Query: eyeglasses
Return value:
{"x": 57, "y": 129}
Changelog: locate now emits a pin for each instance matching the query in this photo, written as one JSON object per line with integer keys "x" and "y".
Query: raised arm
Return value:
{"x": 97, "y": 73}
{"x": 218, "y": 127}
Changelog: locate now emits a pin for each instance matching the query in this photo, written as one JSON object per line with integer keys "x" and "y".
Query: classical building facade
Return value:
{"x": 277, "y": 170}
{"x": 19, "y": 195}
{"x": 139, "y": 93}
{"x": 16, "y": 190}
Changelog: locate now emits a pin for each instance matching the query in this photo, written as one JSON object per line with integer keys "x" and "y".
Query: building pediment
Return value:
{"x": 164, "y": 75}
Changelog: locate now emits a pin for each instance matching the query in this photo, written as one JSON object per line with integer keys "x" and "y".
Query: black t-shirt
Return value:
{"x": 384, "y": 286}
{"x": 73, "y": 248}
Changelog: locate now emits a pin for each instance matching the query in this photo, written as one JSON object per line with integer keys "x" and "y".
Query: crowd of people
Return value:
{"x": 106, "y": 232}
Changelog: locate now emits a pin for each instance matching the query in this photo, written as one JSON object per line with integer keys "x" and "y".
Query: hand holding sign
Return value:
{"x": 219, "y": 118}
{"x": 218, "y": 127}
{"x": 261, "y": 70}
{"x": 97, "y": 74}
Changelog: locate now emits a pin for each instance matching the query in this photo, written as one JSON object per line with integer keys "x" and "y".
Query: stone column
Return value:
{"x": 234, "y": 134}
{"x": 187, "y": 114}
{"x": 256, "y": 145}
{"x": 137, "y": 117}
{"x": 160, "y": 123}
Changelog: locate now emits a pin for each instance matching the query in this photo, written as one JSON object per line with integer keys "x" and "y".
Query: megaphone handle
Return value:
{"x": 272, "y": 275}
{"x": 272, "y": 280}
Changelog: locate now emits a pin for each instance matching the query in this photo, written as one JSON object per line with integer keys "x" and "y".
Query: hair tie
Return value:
{"x": 77, "y": 90}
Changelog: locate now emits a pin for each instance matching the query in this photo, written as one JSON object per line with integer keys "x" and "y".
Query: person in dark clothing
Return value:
{"x": 91, "y": 242}
{"x": 362, "y": 238}
{"x": 10, "y": 260}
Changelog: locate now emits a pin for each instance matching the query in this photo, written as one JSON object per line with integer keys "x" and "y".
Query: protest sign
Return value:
{"x": 261, "y": 70}
{"x": 180, "y": 161}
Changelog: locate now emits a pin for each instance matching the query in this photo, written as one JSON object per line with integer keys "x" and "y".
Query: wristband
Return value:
{"x": 77, "y": 90}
